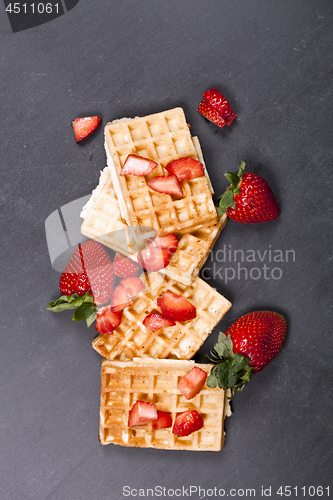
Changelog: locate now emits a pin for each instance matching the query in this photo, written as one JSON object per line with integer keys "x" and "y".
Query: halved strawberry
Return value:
{"x": 138, "y": 165}
{"x": 167, "y": 184}
{"x": 124, "y": 293}
{"x": 175, "y": 307}
{"x": 83, "y": 127}
{"x": 155, "y": 321}
{"x": 153, "y": 258}
{"x": 107, "y": 321}
{"x": 142, "y": 413}
{"x": 163, "y": 421}
{"x": 192, "y": 383}
{"x": 124, "y": 267}
{"x": 168, "y": 241}
{"x": 220, "y": 103}
{"x": 187, "y": 422}
{"x": 211, "y": 114}
{"x": 120, "y": 299}
{"x": 185, "y": 168}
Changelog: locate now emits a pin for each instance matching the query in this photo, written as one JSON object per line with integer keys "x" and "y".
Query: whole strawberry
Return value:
{"x": 248, "y": 199}
{"x": 249, "y": 345}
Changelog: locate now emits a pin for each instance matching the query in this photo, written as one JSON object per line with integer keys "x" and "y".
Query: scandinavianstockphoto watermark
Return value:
{"x": 228, "y": 263}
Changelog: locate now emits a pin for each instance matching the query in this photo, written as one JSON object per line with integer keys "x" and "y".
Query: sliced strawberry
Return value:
{"x": 142, "y": 413}
{"x": 120, "y": 299}
{"x": 83, "y": 127}
{"x": 153, "y": 258}
{"x": 107, "y": 321}
{"x": 132, "y": 286}
{"x": 168, "y": 241}
{"x": 220, "y": 103}
{"x": 185, "y": 168}
{"x": 211, "y": 114}
{"x": 167, "y": 184}
{"x": 138, "y": 165}
{"x": 187, "y": 422}
{"x": 155, "y": 321}
{"x": 163, "y": 421}
{"x": 175, "y": 307}
{"x": 124, "y": 267}
{"x": 192, "y": 383}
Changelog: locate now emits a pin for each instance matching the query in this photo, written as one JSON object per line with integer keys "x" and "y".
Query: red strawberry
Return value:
{"x": 248, "y": 199}
{"x": 142, "y": 413}
{"x": 249, "y": 345}
{"x": 192, "y": 383}
{"x": 168, "y": 241}
{"x": 167, "y": 184}
{"x": 187, "y": 422}
{"x": 83, "y": 127}
{"x": 124, "y": 293}
{"x": 163, "y": 421}
{"x": 211, "y": 114}
{"x": 107, "y": 321}
{"x": 124, "y": 267}
{"x": 89, "y": 268}
{"x": 185, "y": 168}
{"x": 138, "y": 165}
{"x": 153, "y": 258}
{"x": 155, "y": 321}
{"x": 175, "y": 307}
{"x": 219, "y": 102}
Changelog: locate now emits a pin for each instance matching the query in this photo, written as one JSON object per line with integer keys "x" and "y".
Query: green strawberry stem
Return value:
{"x": 227, "y": 199}
{"x": 230, "y": 370}
{"x": 84, "y": 306}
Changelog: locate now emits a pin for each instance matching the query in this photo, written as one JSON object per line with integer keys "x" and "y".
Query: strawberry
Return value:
{"x": 167, "y": 184}
{"x": 138, "y": 165}
{"x": 124, "y": 267}
{"x": 124, "y": 293}
{"x": 168, "y": 241}
{"x": 87, "y": 281}
{"x": 249, "y": 345}
{"x": 155, "y": 321}
{"x": 142, "y": 413}
{"x": 192, "y": 383}
{"x": 248, "y": 199}
{"x": 107, "y": 321}
{"x": 154, "y": 258}
{"x": 83, "y": 127}
{"x": 175, "y": 307}
{"x": 163, "y": 421}
{"x": 187, "y": 422}
{"x": 219, "y": 102}
{"x": 185, "y": 168}
{"x": 211, "y": 114}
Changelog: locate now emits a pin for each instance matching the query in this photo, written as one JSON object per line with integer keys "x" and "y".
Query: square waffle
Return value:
{"x": 131, "y": 338}
{"x": 162, "y": 137}
{"x": 155, "y": 381}
{"x": 103, "y": 223}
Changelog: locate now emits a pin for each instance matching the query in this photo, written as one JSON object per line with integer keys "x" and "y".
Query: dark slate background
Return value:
{"x": 273, "y": 61}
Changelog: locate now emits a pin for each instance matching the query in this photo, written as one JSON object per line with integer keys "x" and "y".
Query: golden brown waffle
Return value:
{"x": 155, "y": 381}
{"x": 132, "y": 339}
{"x": 162, "y": 137}
{"x": 102, "y": 222}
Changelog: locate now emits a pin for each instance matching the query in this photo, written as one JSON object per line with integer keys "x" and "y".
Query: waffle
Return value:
{"x": 155, "y": 381}
{"x": 132, "y": 339}
{"x": 102, "y": 222}
{"x": 162, "y": 137}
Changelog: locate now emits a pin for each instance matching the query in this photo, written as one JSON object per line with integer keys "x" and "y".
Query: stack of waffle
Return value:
{"x": 122, "y": 213}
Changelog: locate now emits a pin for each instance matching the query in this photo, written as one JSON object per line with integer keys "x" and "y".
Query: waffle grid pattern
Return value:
{"x": 122, "y": 384}
{"x": 131, "y": 338}
{"x": 162, "y": 137}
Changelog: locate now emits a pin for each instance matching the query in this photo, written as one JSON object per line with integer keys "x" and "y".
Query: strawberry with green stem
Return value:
{"x": 248, "y": 199}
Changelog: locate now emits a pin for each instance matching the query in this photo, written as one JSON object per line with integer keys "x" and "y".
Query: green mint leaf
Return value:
{"x": 84, "y": 311}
